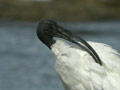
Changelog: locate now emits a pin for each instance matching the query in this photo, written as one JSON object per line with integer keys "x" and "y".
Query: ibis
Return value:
{"x": 84, "y": 65}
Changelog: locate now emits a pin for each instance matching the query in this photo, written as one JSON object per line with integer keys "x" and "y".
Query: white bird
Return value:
{"x": 84, "y": 65}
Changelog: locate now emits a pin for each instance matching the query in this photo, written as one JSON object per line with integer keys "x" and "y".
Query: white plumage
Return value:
{"x": 79, "y": 66}
{"x": 78, "y": 70}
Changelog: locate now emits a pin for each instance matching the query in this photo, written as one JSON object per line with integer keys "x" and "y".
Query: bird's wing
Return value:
{"x": 105, "y": 77}
{"x": 109, "y": 56}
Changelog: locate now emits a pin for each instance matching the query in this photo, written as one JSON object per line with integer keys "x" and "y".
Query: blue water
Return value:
{"x": 27, "y": 64}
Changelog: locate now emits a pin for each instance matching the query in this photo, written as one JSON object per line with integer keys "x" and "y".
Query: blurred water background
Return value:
{"x": 25, "y": 62}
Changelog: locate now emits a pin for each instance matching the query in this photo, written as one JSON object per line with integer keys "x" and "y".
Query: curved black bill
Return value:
{"x": 80, "y": 42}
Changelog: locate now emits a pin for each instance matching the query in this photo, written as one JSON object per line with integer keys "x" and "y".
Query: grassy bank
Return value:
{"x": 63, "y": 10}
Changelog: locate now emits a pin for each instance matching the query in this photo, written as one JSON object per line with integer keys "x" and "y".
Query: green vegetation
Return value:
{"x": 63, "y": 10}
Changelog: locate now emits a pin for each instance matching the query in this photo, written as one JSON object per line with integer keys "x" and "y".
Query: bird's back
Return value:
{"x": 111, "y": 66}
{"x": 78, "y": 71}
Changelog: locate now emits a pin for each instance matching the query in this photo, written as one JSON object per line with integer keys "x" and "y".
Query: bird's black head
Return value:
{"x": 47, "y": 29}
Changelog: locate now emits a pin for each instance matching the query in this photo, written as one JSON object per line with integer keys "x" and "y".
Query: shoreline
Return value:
{"x": 74, "y": 10}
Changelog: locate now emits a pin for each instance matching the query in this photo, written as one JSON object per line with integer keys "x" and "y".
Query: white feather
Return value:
{"x": 78, "y": 71}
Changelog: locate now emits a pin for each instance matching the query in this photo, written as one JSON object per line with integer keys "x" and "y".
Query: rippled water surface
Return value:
{"x": 27, "y": 64}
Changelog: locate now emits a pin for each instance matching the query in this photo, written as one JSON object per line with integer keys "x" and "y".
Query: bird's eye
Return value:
{"x": 45, "y": 28}
{"x": 52, "y": 26}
